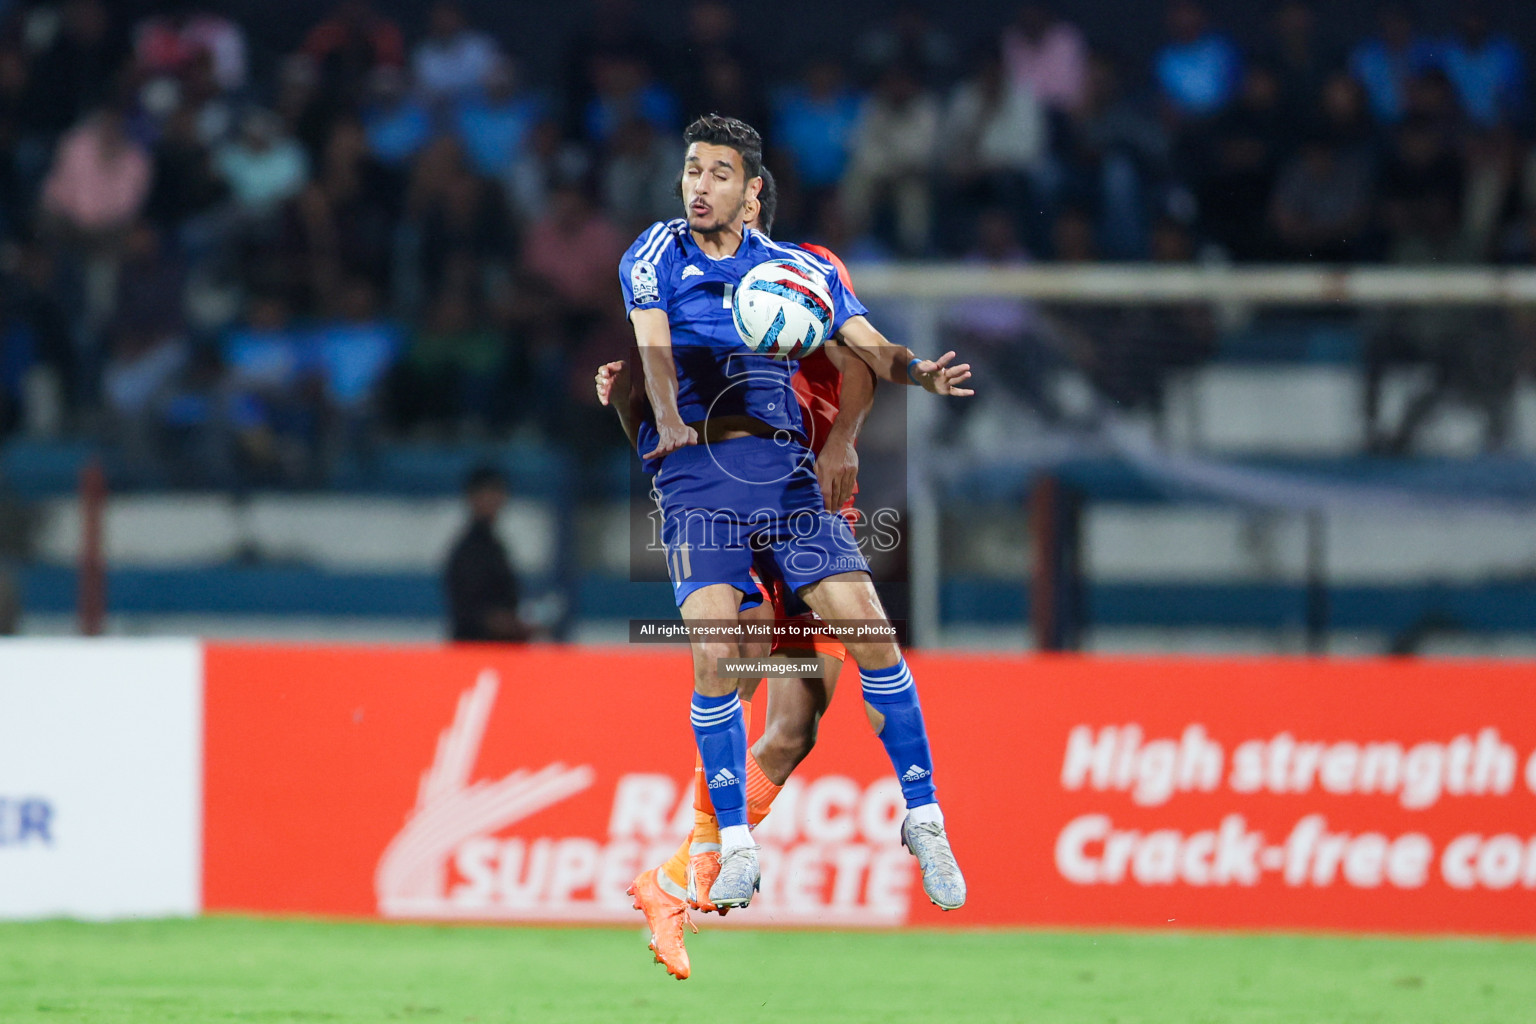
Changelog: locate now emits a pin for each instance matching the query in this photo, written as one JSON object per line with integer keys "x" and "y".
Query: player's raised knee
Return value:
{"x": 873, "y": 654}
{"x": 707, "y": 658}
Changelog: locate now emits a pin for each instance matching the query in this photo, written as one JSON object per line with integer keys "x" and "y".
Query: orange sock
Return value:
{"x": 760, "y": 792}
{"x": 760, "y": 796}
{"x": 676, "y": 867}
{"x": 705, "y": 828}
{"x": 702, "y": 804}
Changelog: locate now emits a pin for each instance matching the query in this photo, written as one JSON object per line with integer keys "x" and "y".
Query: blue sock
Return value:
{"x": 894, "y": 695}
{"x": 721, "y": 733}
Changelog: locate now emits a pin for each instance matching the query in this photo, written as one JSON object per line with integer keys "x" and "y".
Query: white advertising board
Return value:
{"x": 100, "y": 778}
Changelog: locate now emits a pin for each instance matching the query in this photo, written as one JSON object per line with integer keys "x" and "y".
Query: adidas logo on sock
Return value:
{"x": 723, "y": 777}
{"x": 912, "y": 774}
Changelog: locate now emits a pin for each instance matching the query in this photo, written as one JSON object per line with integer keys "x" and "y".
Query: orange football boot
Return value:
{"x": 703, "y": 869}
{"x": 666, "y": 915}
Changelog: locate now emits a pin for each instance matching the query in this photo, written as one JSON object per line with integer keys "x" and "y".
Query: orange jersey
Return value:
{"x": 818, "y": 383}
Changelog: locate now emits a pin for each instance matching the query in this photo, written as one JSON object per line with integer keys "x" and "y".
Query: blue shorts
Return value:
{"x": 722, "y": 503}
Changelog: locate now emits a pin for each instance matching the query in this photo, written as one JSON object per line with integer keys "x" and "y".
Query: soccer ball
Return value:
{"x": 782, "y": 309}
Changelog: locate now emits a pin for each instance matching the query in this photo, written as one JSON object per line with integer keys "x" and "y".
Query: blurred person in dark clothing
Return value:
{"x": 611, "y": 29}
{"x": 449, "y": 375}
{"x": 461, "y": 220}
{"x": 1345, "y": 114}
{"x": 711, "y": 32}
{"x": 727, "y": 85}
{"x": 35, "y": 319}
{"x": 1300, "y": 60}
{"x": 1245, "y": 147}
{"x": 349, "y": 45}
{"x": 1469, "y": 352}
{"x": 1423, "y": 173}
{"x": 482, "y": 588}
{"x": 995, "y": 141}
{"x": 1117, "y": 151}
{"x": 910, "y": 38}
{"x": 151, "y": 283}
{"x": 1321, "y": 205}
{"x": 185, "y": 182}
{"x": 76, "y": 69}
{"x": 1072, "y": 237}
{"x": 343, "y": 223}
{"x": 19, "y": 173}
{"x": 1431, "y": 97}
{"x": 196, "y": 430}
{"x": 307, "y": 110}
{"x": 547, "y": 158}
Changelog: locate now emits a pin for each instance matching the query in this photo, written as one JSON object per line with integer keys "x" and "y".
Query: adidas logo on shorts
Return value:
{"x": 912, "y": 774}
{"x": 724, "y": 777}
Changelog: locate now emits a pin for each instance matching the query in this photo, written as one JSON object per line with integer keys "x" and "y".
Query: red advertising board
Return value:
{"x": 532, "y": 785}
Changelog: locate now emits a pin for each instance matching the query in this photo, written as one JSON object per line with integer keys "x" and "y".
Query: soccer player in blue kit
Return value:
{"x": 734, "y": 475}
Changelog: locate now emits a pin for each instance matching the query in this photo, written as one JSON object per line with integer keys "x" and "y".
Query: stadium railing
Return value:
{"x": 1297, "y": 415}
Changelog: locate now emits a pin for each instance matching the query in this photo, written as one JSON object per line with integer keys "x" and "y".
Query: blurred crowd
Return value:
{"x": 243, "y": 267}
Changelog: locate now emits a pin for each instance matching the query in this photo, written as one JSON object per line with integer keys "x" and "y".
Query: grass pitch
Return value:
{"x": 237, "y": 969}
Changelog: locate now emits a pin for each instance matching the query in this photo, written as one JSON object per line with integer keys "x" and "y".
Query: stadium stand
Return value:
{"x": 350, "y": 252}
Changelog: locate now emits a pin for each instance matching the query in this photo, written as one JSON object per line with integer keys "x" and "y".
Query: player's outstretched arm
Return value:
{"x": 613, "y": 390}
{"x": 837, "y": 465}
{"x": 898, "y": 364}
{"x": 654, "y": 336}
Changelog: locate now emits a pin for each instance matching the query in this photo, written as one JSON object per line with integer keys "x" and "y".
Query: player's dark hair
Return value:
{"x": 714, "y": 130}
{"x": 767, "y": 203}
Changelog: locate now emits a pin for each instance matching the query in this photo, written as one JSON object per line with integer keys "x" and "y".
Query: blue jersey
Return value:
{"x": 717, "y": 375}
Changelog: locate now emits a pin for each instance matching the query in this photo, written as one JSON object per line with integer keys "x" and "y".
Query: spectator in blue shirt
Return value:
{"x": 398, "y": 126}
{"x": 1199, "y": 70}
{"x": 494, "y": 124}
{"x": 814, "y": 123}
{"x": 1487, "y": 70}
{"x": 353, "y": 352}
{"x": 265, "y": 355}
{"x": 454, "y": 58}
{"x": 626, "y": 88}
{"x": 1385, "y": 64}
{"x": 274, "y": 413}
